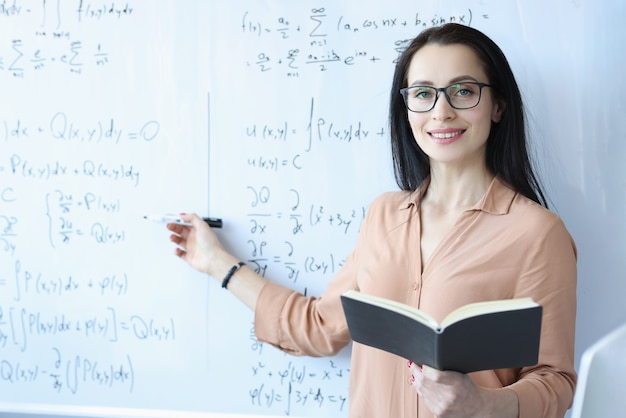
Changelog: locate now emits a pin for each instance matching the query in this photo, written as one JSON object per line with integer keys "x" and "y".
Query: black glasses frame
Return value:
{"x": 404, "y": 92}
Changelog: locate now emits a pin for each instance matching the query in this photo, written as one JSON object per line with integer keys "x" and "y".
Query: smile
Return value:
{"x": 445, "y": 135}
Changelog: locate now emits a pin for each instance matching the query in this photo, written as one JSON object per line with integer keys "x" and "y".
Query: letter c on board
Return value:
{"x": 7, "y": 195}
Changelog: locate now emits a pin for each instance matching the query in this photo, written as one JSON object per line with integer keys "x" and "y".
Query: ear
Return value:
{"x": 498, "y": 110}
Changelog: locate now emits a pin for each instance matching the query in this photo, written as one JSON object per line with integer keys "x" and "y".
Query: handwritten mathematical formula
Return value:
{"x": 72, "y": 373}
{"x": 53, "y": 37}
{"x": 62, "y": 128}
{"x": 19, "y": 59}
{"x": 317, "y": 42}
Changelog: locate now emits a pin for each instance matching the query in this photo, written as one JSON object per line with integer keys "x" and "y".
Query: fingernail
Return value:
{"x": 409, "y": 363}
{"x": 412, "y": 379}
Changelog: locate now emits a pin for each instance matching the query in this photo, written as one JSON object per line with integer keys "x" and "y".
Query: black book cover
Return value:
{"x": 504, "y": 339}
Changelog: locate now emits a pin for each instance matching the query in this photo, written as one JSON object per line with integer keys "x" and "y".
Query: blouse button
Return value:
{"x": 415, "y": 286}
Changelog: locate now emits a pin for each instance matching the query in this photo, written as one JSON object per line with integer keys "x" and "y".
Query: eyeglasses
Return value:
{"x": 465, "y": 95}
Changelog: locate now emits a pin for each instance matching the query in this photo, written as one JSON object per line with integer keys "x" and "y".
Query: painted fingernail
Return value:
{"x": 412, "y": 379}
{"x": 409, "y": 364}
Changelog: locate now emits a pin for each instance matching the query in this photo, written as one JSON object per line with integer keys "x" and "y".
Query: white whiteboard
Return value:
{"x": 101, "y": 110}
{"x": 271, "y": 115}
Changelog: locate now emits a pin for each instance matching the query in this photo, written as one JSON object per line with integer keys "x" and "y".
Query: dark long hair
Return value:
{"x": 507, "y": 149}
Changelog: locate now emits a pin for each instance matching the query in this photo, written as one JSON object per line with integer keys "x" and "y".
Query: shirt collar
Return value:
{"x": 496, "y": 201}
{"x": 498, "y": 198}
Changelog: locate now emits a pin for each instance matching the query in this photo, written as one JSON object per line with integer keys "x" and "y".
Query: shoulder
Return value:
{"x": 523, "y": 220}
{"x": 502, "y": 199}
{"x": 390, "y": 209}
{"x": 540, "y": 224}
{"x": 533, "y": 213}
{"x": 393, "y": 200}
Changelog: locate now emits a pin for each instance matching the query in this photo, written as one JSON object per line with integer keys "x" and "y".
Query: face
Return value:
{"x": 447, "y": 135}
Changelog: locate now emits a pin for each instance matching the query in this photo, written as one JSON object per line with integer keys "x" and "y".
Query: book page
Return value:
{"x": 482, "y": 308}
{"x": 395, "y": 306}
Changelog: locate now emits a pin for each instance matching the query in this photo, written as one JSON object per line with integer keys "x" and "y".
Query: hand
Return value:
{"x": 197, "y": 244}
{"x": 450, "y": 394}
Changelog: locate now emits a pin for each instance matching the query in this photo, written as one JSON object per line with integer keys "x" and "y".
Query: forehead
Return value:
{"x": 441, "y": 64}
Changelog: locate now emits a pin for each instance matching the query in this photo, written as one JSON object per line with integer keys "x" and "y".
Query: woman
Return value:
{"x": 469, "y": 225}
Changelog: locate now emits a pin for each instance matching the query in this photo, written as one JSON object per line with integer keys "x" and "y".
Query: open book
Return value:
{"x": 478, "y": 336}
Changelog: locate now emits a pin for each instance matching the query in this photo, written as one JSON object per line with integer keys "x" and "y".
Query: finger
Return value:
{"x": 176, "y": 239}
{"x": 182, "y": 233}
{"x": 415, "y": 377}
{"x": 417, "y": 381}
{"x": 415, "y": 368}
{"x": 191, "y": 218}
{"x": 431, "y": 373}
{"x": 173, "y": 226}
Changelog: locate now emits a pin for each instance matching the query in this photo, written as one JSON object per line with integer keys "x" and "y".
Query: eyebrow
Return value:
{"x": 457, "y": 79}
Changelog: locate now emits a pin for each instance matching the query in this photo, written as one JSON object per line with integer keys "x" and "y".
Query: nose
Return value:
{"x": 442, "y": 109}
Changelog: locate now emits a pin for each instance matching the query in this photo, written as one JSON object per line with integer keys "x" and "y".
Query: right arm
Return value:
{"x": 291, "y": 321}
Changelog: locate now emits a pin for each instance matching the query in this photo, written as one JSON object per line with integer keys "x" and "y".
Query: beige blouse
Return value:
{"x": 506, "y": 246}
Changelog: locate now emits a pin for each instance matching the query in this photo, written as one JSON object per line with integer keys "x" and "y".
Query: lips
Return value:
{"x": 446, "y": 136}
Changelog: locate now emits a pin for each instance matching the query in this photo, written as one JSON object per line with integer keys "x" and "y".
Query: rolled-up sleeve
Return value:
{"x": 300, "y": 325}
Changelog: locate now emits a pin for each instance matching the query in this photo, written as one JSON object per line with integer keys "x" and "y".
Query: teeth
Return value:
{"x": 445, "y": 135}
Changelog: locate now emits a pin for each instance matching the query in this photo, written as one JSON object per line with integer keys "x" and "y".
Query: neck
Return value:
{"x": 452, "y": 190}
